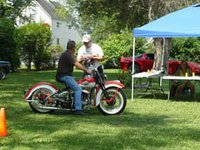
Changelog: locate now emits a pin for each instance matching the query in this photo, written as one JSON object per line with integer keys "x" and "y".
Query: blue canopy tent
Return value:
{"x": 182, "y": 23}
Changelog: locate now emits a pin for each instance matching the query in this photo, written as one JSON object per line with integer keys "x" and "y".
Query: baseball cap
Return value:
{"x": 86, "y": 38}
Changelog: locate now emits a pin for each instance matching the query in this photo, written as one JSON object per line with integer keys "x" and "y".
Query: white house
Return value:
{"x": 43, "y": 11}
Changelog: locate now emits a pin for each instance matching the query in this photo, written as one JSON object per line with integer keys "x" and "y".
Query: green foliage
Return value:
{"x": 8, "y": 50}
{"x": 120, "y": 45}
{"x": 33, "y": 41}
{"x": 116, "y": 46}
{"x": 13, "y": 8}
{"x": 105, "y": 17}
{"x": 62, "y": 12}
{"x": 54, "y": 52}
{"x": 9, "y": 11}
{"x": 186, "y": 49}
{"x": 124, "y": 78}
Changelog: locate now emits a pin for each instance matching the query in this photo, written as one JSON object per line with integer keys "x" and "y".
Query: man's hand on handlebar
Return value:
{"x": 90, "y": 56}
{"x": 88, "y": 71}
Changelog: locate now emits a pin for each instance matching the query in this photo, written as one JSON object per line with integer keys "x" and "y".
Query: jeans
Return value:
{"x": 69, "y": 81}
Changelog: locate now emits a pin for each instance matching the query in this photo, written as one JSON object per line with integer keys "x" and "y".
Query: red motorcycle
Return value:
{"x": 107, "y": 96}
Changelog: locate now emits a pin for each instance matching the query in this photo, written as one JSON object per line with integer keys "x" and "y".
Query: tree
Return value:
{"x": 158, "y": 8}
{"x": 9, "y": 11}
{"x": 102, "y": 18}
{"x": 12, "y": 9}
{"x": 33, "y": 41}
{"x": 8, "y": 50}
{"x": 105, "y": 17}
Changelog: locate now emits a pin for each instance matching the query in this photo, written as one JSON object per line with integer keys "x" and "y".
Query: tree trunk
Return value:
{"x": 29, "y": 67}
{"x": 168, "y": 47}
{"x": 161, "y": 55}
{"x": 157, "y": 54}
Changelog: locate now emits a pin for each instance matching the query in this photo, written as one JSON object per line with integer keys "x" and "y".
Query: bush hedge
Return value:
{"x": 121, "y": 45}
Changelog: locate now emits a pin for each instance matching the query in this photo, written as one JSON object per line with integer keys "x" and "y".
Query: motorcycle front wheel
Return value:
{"x": 42, "y": 100}
{"x": 113, "y": 105}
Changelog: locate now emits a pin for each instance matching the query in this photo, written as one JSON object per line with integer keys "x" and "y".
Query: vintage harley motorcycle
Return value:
{"x": 107, "y": 96}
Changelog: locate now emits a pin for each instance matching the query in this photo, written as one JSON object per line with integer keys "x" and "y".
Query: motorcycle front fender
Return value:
{"x": 108, "y": 84}
{"x": 37, "y": 86}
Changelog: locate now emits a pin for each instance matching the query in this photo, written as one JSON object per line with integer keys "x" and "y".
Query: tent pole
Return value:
{"x": 133, "y": 68}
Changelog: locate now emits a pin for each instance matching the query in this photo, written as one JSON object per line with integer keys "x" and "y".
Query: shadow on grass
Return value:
{"x": 62, "y": 130}
{"x": 126, "y": 131}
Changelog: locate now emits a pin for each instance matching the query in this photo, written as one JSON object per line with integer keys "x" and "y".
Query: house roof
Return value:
{"x": 49, "y": 7}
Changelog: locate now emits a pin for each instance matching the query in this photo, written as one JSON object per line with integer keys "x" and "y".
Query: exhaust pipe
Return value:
{"x": 53, "y": 108}
{"x": 30, "y": 100}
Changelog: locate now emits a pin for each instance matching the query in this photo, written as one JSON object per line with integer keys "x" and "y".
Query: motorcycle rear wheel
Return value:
{"x": 38, "y": 96}
{"x": 116, "y": 106}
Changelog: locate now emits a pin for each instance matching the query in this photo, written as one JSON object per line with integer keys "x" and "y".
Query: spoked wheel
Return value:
{"x": 115, "y": 104}
{"x": 42, "y": 99}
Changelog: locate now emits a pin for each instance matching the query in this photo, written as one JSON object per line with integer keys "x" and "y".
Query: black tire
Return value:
{"x": 2, "y": 73}
{"x": 137, "y": 69}
{"x": 115, "y": 107}
{"x": 38, "y": 97}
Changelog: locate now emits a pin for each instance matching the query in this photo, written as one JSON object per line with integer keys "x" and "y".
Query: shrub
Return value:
{"x": 8, "y": 50}
{"x": 116, "y": 46}
{"x": 33, "y": 41}
{"x": 186, "y": 49}
{"x": 120, "y": 45}
{"x": 53, "y": 52}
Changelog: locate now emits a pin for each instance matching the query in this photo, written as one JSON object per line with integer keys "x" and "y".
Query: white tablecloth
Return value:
{"x": 158, "y": 74}
{"x": 181, "y": 77}
{"x": 151, "y": 74}
{"x": 191, "y": 78}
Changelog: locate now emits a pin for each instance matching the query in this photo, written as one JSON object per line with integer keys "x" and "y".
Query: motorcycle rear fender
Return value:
{"x": 108, "y": 84}
{"x": 36, "y": 86}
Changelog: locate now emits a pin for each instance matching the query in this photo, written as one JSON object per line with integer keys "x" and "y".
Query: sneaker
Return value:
{"x": 79, "y": 112}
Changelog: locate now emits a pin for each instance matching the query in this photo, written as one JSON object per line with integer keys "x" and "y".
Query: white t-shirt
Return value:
{"x": 93, "y": 50}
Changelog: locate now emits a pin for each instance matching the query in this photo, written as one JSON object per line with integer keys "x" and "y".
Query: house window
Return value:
{"x": 32, "y": 17}
{"x": 58, "y": 41}
{"x": 58, "y": 24}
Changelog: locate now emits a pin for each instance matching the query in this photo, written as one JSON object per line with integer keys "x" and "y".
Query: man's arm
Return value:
{"x": 78, "y": 65}
{"x": 94, "y": 57}
{"x": 79, "y": 59}
{"x": 97, "y": 57}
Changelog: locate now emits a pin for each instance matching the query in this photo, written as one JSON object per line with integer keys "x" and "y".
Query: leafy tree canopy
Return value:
{"x": 105, "y": 17}
{"x": 13, "y": 8}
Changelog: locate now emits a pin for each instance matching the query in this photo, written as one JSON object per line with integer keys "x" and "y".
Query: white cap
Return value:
{"x": 86, "y": 38}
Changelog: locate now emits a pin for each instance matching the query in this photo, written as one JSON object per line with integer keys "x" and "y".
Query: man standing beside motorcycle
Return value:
{"x": 90, "y": 54}
{"x": 64, "y": 74}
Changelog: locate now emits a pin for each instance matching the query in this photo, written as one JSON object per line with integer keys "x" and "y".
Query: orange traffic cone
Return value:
{"x": 3, "y": 130}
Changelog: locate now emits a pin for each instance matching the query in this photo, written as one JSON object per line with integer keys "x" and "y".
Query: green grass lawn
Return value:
{"x": 146, "y": 124}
